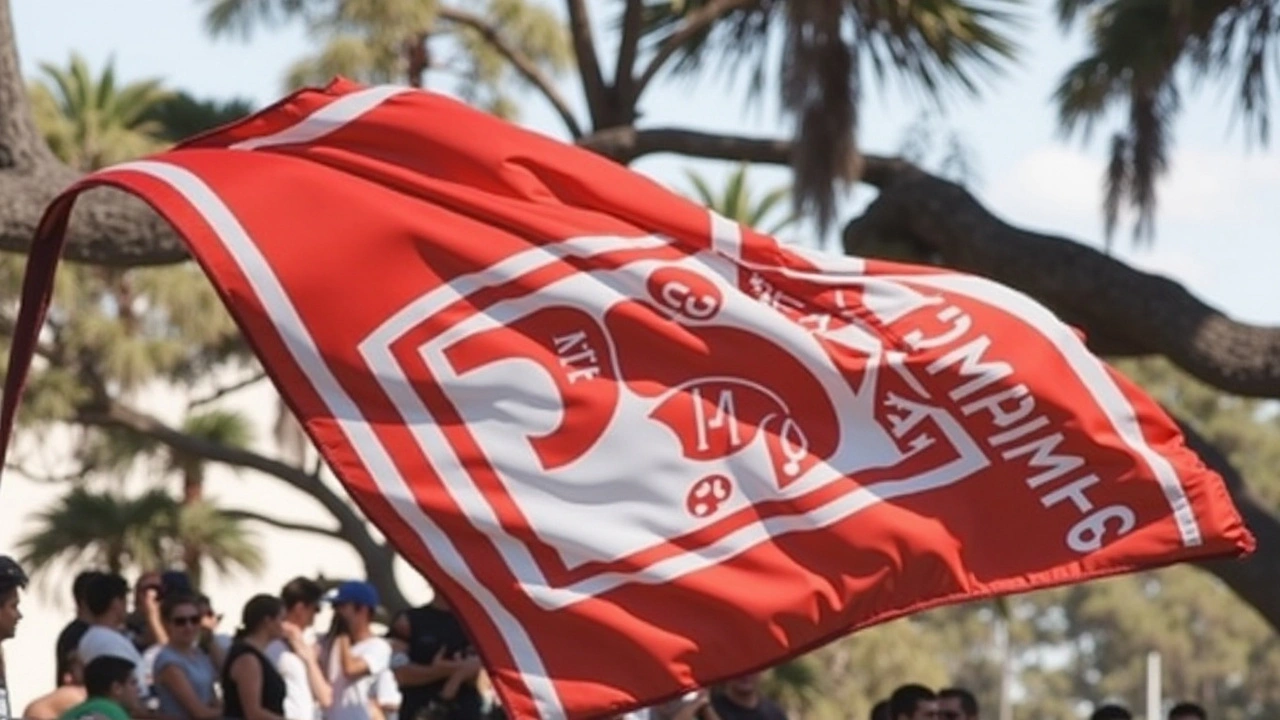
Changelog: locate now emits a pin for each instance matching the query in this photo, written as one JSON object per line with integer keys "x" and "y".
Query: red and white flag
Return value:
{"x": 641, "y": 448}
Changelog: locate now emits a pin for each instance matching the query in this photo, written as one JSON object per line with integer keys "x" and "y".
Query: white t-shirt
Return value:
{"x": 351, "y": 697}
{"x": 299, "y": 702}
{"x": 99, "y": 640}
{"x": 385, "y": 690}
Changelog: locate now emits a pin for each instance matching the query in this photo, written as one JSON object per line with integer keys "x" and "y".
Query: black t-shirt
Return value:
{"x": 430, "y": 629}
{"x": 273, "y": 687}
{"x": 727, "y": 709}
{"x": 68, "y": 641}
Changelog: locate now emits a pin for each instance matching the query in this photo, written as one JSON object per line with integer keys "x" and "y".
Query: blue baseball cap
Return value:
{"x": 357, "y": 593}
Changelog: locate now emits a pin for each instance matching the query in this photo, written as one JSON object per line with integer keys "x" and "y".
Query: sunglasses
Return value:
{"x": 949, "y": 715}
{"x": 185, "y": 620}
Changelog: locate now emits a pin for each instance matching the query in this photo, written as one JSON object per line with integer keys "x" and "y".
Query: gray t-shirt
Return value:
{"x": 199, "y": 671}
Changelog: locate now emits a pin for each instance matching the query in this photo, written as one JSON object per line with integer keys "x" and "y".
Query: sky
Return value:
{"x": 1216, "y": 226}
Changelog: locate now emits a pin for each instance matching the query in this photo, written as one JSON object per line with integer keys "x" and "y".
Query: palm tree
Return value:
{"x": 1142, "y": 53}
{"x": 110, "y": 530}
{"x": 225, "y": 428}
{"x": 830, "y": 47}
{"x": 182, "y": 115}
{"x": 736, "y": 202}
{"x": 91, "y": 122}
{"x": 402, "y": 40}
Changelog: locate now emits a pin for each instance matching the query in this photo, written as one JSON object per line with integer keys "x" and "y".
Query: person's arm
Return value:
{"x": 320, "y": 688}
{"x": 151, "y": 613}
{"x": 467, "y": 671}
{"x": 171, "y": 678}
{"x": 353, "y": 666}
{"x": 247, "y": 672}
{"x": 413, "y": 674}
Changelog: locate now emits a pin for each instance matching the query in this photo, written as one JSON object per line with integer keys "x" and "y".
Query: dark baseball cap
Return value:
{"x": 11, "y": 574}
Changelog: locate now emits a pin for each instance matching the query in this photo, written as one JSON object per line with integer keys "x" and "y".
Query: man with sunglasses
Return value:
{"x": 12, "y": 579}
{"x": 957, "y": 704}
{"x": 306, "y": 689}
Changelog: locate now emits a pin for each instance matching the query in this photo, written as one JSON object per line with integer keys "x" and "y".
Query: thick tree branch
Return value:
{"x": 584, "y": 48}
{"x": 377, "y": 557}
{"x": 283, "y": 524}
{"x": 523, "y": 64}
{"x": 1123, "y": 310}
{"x": 695, "y": 22}
{"x": 624, "y": 79}
{"x": 1252, "y": 578}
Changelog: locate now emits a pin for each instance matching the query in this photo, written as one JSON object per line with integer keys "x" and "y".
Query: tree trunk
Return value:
{"x": 192, "y": 494}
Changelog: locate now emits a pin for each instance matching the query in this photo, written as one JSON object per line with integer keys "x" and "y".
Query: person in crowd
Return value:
{"x": 740, "y": 699}
{"x": 294, "y": 655}
{"x": 12, "y": 580}
{"x": 957, "y": 704}
{"x": 143, "y": 625}
{"x": 1187, "y": 711}
{"x": 67, "y": 694}
{"x": 183, "y": 675}
{"x": 69, "y": 639}
{"x": 252, "y": 688}
{"x": 913, "y": 702}
{"x": 353, "y": 655}
{"x": 1111, "y": 712}
{"x": 442, "y": 665}
{"x": 105, "y": 597}
{"x": 112, "y": 686}
{"x": 880, "y": 711}
{"x": 215, "y": 644}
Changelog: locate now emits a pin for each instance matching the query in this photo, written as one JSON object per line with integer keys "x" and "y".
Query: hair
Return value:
{"x": 968, "y": 703}
{"x": 1111, "y": 712}
{"x": 904, "y": 700}
{"x": 880, "y": 711}
{"x": 102, "y": 590}
{"x": 301, "y": 590}
{"x": 257, "y": 611}
{"x": 173, "y": 602}
{"x": 81, "y": 584}
{"x": 1184, "y": 709}
{"x": 104, "y": 672}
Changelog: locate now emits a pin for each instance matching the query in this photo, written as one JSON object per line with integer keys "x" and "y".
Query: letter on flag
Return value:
{"x": 639, "y": 447}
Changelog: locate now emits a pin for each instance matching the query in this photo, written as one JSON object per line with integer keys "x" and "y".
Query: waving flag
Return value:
{"x": 639, "y": 447}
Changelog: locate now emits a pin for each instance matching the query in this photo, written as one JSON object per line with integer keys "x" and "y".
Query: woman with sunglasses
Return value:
{"x": 184, "y": 674}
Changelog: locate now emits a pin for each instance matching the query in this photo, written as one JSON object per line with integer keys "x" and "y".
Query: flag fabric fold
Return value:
{"x": 639, "y": 447}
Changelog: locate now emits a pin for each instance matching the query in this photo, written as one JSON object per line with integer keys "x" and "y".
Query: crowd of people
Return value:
{"x": 162, "y": 657}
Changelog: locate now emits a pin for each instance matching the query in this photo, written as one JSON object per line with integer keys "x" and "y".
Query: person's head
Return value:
{"x": 1111, "y": 712}
{"x": 263, "y": 616}
{"x": 81, "y": 585}
{"x": 148, "y": 582}
{"x": 880, "y": 711}
{"x": 105, "y": 596}
{"x": 1188, "y": 711}
{"x": 181, "y": 616}
{"x": 743, "y": 687}
{"x": 209, "y": 619}
{"x": 301, "y": 597}
{"x": 112, "y": 677}
{"x": 957, "y": 704}
{"x": 12, "y": 580}
{"x": 355, "y": 602}
{"x": 913, "y": 702}
{"x": 72, "y": 668}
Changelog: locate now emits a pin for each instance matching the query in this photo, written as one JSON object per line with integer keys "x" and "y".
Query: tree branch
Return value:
{"x": 283, "y": 524}
{"x": 584, "y": 47}
{"x": 695, "y": 22}
{"x": 226, "y": 390}
{"x": 1121, "y": 309}
{"x": 378, "y": 558}
{"x": 624, "y": 79}
{"x": 1253, "y": 577}
{"x": 523, "y": 64}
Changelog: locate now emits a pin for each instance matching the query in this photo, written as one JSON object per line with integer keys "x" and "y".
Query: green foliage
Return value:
{"x": 93, "y": 122}
{"x": 1142, "y": 53}
{"x": 736, "y": 201}
{"x": 381, "y": 41}
{"x": 181, "y": 115}
{"x": 111, "y": 530}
